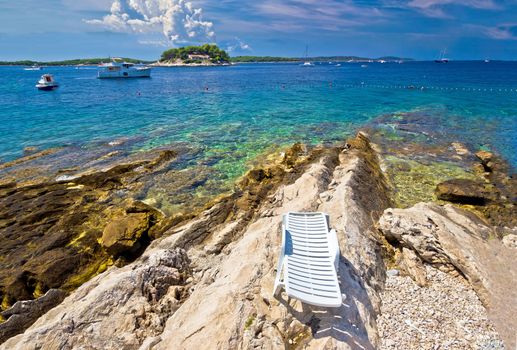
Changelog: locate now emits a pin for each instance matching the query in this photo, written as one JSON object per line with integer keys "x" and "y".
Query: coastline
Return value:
{"x": 219, "y": 233}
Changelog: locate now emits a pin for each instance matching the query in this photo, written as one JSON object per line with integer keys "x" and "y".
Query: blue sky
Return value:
{"x": 63, "y": 29}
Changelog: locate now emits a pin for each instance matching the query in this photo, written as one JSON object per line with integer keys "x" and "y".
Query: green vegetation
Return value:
{"x": 215, "y": 54}
{"x": 79, "y": 61}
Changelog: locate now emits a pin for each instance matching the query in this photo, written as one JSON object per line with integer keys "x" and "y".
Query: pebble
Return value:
{"x": 446, "y": 314}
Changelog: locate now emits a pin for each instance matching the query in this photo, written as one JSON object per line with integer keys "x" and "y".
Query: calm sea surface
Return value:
{"x": 239, "y": 111}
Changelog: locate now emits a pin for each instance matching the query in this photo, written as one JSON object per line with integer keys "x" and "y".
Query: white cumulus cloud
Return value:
{"x": 178, "y": 20}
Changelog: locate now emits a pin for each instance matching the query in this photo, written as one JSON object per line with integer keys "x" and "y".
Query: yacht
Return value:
{"x": 442, "y": 58}
{"x": 122, "y": 70}
{"x": 35, "y": 67}
{"x": 47, "y": 83}
{"x": 307, "y": 63}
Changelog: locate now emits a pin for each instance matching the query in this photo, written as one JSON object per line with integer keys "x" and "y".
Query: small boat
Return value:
{"x": 47, "y": 83}
{"x": 442, "y": 58}
{"x": 122, "y": 70}
{"x": 363, "y": 66}
{"x": 35, "y": 67}
{"x": 338, "y": 65}
{"x": 487, "y": 61}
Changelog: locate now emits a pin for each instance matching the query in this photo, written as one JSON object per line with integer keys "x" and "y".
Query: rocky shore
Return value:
{"x": 116, "y": 273}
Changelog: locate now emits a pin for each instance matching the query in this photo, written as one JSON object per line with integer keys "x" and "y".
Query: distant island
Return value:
{"x": 204, "y": 55}
{"x": 267, "y": 59}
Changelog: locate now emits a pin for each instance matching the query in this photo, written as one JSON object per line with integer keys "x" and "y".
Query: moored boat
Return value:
{"x": 47, "y": 83}
{"x": 442, "y": 58}
{"x": 122, "y": 70}
{"x": 34, "y": 67}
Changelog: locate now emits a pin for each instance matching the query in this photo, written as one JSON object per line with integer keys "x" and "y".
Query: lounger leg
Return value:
{"x": 278, "y": 283}
{"x": 334, "y": 245}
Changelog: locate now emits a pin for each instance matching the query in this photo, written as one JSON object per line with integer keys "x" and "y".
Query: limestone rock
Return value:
{"x": 510, "y": 241}
{"x": 463, "y": 191}
{"x": 124, "y": 235}
{"x": 414, "y": 267}
{"x": 223, "y": 298}
{"x": 116, "y": 310}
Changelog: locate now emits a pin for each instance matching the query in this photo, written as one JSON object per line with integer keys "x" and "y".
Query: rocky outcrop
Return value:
{"x": 463, "y": 191}
{"x": 24, "y": 313}
{"x": 125, "y": 234}
{"x": 233, "y": 249}
{"x": 50, "y": 231}
{"x": 458, "y": 242}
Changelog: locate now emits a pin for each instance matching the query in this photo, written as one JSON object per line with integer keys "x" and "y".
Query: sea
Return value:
{"x": 232, "y": 114}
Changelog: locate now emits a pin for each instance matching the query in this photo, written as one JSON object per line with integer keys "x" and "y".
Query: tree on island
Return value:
{"x": 186, "y": 54}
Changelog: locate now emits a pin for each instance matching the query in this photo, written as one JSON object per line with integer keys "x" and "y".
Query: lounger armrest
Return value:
{"x": 334, "y": 248}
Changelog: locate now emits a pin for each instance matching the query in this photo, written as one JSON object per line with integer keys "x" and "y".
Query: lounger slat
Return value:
{"x": 310, "y": 270}
{"x": 312, "y": 291}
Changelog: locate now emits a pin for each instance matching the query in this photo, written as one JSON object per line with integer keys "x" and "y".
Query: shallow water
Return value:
{"x": 229, "y": 115}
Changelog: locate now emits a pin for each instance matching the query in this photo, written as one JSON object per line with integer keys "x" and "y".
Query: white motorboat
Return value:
{"x": 35, "y": 67}
{"x": 47, "y": 83}
{"x": 123, "y": 70}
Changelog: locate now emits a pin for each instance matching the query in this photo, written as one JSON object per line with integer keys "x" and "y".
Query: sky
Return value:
{"x": 420, "y": 29}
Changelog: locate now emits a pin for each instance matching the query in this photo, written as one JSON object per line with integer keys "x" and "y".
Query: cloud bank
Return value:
{"x": 178, "y": 20}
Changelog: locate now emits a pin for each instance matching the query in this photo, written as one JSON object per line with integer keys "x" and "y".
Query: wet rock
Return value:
{"x": 464, "y": 191}
{"x": 126, "y": 234}
{"x": 50, "y": 231}
{"x": 486, "y": 159}
{"x": 24, "y": 313}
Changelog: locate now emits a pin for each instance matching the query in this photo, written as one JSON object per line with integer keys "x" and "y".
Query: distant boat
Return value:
{"x": 338, "y": 65}
{"x": 34, "y": 67}
{"x": 122, "y": 70}
{"x": 382, "y": 61}
{"x": 363, "y": 66}
{"x": 307, "y": 63}
{"x": 442, "y": 58}
{"x": 47, "y": 83}
{"x": 487, "y": 61}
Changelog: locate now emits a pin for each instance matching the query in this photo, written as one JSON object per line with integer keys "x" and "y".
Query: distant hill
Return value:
{"x": 74, "y": 62}
{"x": 257, "y": 59}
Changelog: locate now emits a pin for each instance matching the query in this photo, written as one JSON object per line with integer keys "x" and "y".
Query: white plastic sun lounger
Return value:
{"x": 309, "y": 260}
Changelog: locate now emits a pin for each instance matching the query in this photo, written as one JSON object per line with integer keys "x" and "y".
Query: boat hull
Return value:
{"x": 47, "y": 87}
{"x": 137, "y": 73}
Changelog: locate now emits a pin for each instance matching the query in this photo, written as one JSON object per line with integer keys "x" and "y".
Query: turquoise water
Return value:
{"x": 230, "y": 114}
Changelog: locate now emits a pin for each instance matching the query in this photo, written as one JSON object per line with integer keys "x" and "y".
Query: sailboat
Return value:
{"x": 442, "y": 58}
{"x": 307, "y": 63}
